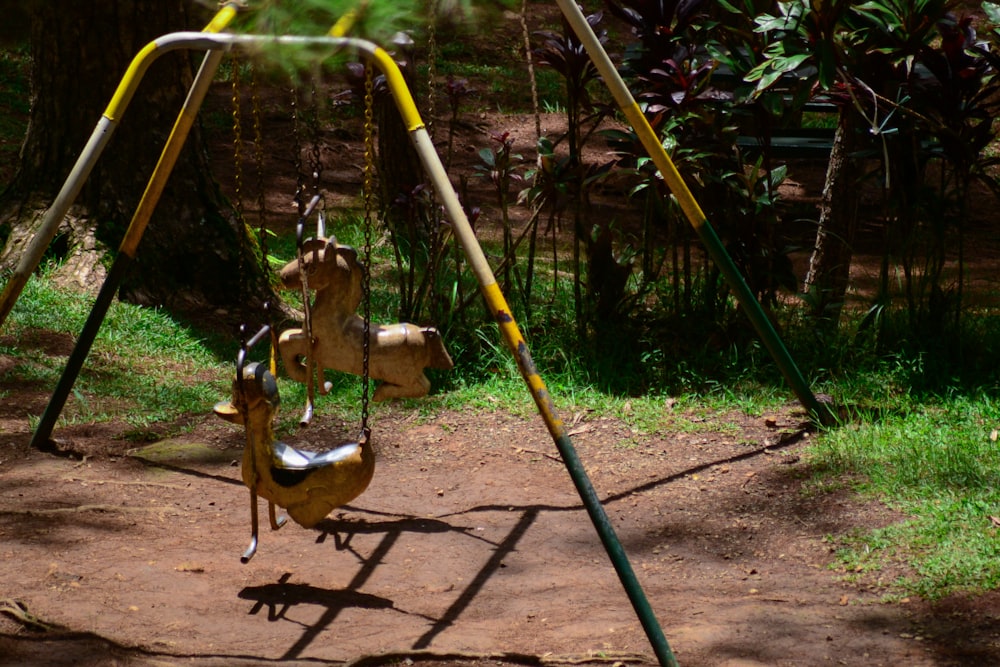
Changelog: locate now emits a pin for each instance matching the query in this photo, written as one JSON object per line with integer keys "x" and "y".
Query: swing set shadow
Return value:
{"x": 216, "y": 44}
{"x": 280, "y": 596}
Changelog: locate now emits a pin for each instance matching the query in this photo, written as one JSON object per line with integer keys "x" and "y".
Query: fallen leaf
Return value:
{"x": 190, "y": 567}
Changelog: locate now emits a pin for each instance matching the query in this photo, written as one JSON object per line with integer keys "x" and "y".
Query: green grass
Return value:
{"x": 502, "y": 86}
{"x": 936, "y": 460}
{"x": 929, "y": 449}
{"x": 143, "y": 367}
{"x": 150, "y": 371}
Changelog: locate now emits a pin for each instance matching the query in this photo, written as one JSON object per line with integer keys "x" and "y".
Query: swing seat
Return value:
{"x": 307, "y": 484}
{"x": 287, "y": 457}
{"x": 399, "y": 353}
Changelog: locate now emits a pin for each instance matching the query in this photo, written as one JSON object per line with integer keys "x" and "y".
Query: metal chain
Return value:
{"x": 258, "y": 145}
{"x": 238, "y": 175}
{"x": 431, "y": 64}
{"x": 432, "y": 53}
{"x": 301, "y": 202}
{"x": 237, "y": 138}
{"x": 300, "y": 198}
{"x": 369, "y": 203}
{"x": 315, "y": 158}
{"x": 306, "y": 319}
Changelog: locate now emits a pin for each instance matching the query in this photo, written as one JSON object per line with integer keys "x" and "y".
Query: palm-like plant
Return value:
{"x": 565, "y": 54}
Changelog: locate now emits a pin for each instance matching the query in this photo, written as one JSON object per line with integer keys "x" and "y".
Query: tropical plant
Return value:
{"x": 500, "y": 164}
{"x": 916, "y": 93}
{"x": 565, "y": 54}
{"x": 675, "y": 65}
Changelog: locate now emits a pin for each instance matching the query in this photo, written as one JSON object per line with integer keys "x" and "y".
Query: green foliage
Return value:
{"x": 376, "y": 19}
{"x": 924, "y": 90}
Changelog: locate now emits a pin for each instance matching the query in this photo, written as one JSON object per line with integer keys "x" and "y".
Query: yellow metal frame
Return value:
{"x": 216, "y": 44}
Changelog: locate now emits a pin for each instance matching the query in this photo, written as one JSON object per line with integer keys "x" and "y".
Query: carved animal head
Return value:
{"x": 260, "y": 391}
{"x": 329, "y": 266}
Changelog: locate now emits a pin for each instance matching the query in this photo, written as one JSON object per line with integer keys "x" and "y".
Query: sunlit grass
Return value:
{"x": 143, "y": 367}
{"x": 939, "y": 463}
{"x": 933, "y": 455}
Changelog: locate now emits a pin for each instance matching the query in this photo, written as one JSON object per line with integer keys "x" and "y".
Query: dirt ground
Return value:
{"x": 471, "y": 545}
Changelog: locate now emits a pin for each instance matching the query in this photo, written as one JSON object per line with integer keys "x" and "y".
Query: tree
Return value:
{"x": 195, "y": 250}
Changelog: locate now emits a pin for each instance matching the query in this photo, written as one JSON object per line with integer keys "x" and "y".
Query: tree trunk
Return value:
{"x": 830, "y": 264}
{"x": 190, "y": 256}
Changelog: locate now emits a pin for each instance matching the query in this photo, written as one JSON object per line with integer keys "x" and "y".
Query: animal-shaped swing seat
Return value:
{"x": 308, "y": 485}
{"x": 335, "y": 337}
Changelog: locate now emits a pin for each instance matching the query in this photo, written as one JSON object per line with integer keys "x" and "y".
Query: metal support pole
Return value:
{"x": 477, "y": 260}
{"x": 127, "y": 249}
{"x": 519, "y": 348}
{"x": 744, "y": 295}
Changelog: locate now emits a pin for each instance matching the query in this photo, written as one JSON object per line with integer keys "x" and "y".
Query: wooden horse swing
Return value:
{"x": 309, "y": 485}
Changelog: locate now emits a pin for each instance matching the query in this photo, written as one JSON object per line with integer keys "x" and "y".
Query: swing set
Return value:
{"x": 308, "y": 485}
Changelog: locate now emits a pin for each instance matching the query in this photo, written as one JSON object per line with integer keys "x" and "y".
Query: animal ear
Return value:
{"x": 313, "y": 245}
{"x": 268, "y": 385}
{"x": 226, "y": 410}
{"x": 349, "y": 254}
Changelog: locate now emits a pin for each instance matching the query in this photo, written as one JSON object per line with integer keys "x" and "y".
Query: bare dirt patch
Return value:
{"x": 471, "y": 545}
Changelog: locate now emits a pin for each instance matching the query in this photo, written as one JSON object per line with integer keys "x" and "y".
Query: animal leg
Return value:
{"x": 276, "y": 522}
{"x": 417, "y": 386}
{"x": 294, "y": 346}
{"x": 252, "y": 549}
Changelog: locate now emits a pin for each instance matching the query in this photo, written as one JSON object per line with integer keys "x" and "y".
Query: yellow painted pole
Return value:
{"x": 477, "y": 260}
{"x": 651, "y": 142}
{"x": 126, "y": 251}
{"x": 346, "y": 22}
{"x": 519, "y": 348}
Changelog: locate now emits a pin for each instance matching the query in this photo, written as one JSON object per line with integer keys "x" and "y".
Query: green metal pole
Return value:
{"x": 519, "y": 348}
{"x": 744, "y": 295}
{"x": 477, "y": 260}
